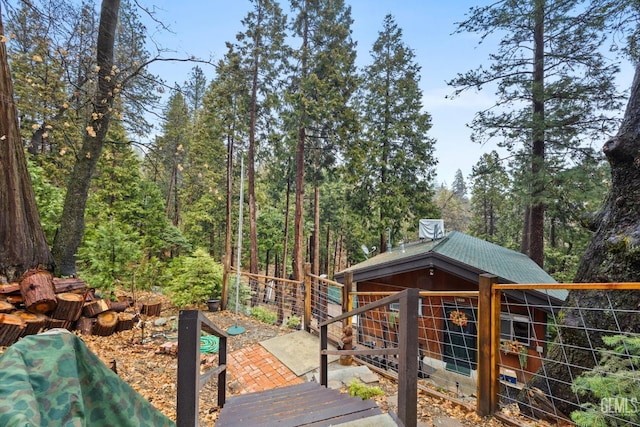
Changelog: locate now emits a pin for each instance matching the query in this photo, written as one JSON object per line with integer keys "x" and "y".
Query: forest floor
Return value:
{"x": 144, "y": 360}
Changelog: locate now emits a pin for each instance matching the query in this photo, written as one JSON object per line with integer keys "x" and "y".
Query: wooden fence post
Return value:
{"x": 347, "y": 301}
{"x": 408, "y": 347}
{"x": 487, "y": 386}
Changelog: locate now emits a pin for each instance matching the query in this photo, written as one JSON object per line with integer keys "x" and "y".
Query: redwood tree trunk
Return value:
{"x": 229, "y": 222}
{"x": 253, "y": 233}
{"x": 71, "y": 230}
{"x": 612, "y": 256}
{"x": 22, "y": 242}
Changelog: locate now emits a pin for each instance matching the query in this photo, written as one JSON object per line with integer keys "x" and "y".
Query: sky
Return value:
{"x": 200, "y": 28}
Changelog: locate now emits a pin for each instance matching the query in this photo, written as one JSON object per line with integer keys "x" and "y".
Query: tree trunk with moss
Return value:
{"x": 612, "y": 256}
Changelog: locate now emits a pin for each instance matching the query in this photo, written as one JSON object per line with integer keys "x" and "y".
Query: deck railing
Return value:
{"x": 407, "y": 349}
{"x": 190, "y": 381}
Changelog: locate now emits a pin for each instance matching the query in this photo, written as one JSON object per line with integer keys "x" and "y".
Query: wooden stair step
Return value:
{"x": 306, "y": 404}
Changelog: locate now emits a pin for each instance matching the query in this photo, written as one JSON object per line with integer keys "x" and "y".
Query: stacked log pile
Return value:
{"x": 40, "y": 302}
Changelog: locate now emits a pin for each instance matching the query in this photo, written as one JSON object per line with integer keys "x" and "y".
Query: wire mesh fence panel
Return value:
{"x": 570, "y": 361}
{"x": 326, "y": 303}
{"x": 273, "y": 300}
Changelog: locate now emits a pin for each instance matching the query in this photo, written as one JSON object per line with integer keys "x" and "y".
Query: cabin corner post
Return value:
{"x": 487, "y": 386}
{"x": 307, "y": 297}
{"x": 408, "y": 355}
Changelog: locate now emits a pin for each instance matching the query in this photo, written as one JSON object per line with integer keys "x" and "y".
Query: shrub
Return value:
{"x": 363, "y": 391}
{"x": 293, "y": 322}
{"x": 264, "y": 315}
{"x": 192, "y": 280}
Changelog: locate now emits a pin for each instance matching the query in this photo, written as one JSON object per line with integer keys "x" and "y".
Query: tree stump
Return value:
{"x": 85, "y": 325}
{"x": 69, "y": 306}
{"x": 125, "y": 321}
{"x": 36, "y": 287}
{"x": 106, "y": 323}
{"x": 35, "y": 322}
{"x": 94, "y": 308}
{"x": 11, "y": 327}
{"x": 151, "y": 307}
{"x": 6, "y": 307}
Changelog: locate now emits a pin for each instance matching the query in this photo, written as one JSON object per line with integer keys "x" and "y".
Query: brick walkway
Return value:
{"x": 255, "y": 369}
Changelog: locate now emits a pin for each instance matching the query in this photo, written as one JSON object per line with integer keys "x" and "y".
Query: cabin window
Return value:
{"x": 395, "y": 307}
{"x": 515, "y": 328}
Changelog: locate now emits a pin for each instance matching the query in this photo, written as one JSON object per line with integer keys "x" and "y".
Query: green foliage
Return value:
{"x": 264, "y": 315}
{"x": 363, "y": 391}
{"x": 49, "y": 199}
{"x": 615, "y": 381}
{"x": 193, "y": 279}
{"x": 293, "y": 322}
{"x": 148, "y": 273}
{"x": 243, "y": 297}
{"x": 108, "y": 255}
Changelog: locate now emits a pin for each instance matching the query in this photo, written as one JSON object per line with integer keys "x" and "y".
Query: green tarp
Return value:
{"x": 55, "y": 380}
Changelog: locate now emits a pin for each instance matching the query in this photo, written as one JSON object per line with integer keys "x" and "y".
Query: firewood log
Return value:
{"x": 8, "y": 288}
{"x": 11, "y": 327}
{"x": 69, "y": 285}
{"x": 125, "y": 321}
{"x": 35, "y": 322}
{"x": 58, "y": 323}
{"x": 93, "y": 308}
{"x": 85, "y": 325}
{"x": 37, "y": 290}
{"x": 69, "y": 306}
{"x": 106, "y": 323}
{"x": 6, "y": 307}
{"x": 15, "y": 299}
{"x": 120, "y": 306}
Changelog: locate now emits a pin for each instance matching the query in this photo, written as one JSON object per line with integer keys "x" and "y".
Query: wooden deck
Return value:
{"x": 306, "y": 404}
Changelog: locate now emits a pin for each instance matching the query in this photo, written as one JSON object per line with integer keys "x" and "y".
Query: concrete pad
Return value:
{"x": 382, "y": 420}
{"x": 299, "y": 351}
{"x": 341, "y": 376}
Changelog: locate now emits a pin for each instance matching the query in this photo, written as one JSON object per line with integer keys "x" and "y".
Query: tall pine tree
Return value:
{"x": 322, "y": 87}
{"x": 392, "y": 163}
{"x": 554, "y": 89}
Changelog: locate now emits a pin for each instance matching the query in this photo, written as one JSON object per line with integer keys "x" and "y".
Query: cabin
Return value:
{"x": 454, "y": 261}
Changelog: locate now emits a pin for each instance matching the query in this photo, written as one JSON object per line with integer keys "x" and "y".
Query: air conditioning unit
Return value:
{"x": 431, "y": 229}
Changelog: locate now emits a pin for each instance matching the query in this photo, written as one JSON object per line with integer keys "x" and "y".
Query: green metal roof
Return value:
{"x": 476, "y": 254}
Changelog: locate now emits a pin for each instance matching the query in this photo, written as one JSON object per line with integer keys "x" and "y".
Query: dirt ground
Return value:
{"x": 143, "y": 359}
